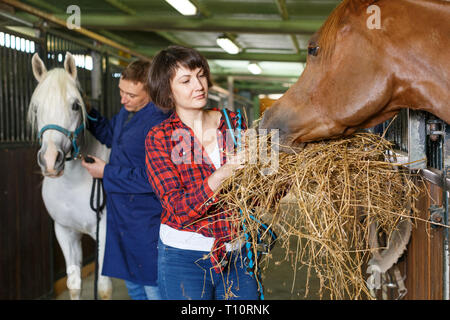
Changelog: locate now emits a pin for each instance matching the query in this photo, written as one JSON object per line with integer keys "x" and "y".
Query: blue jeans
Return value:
{"x": 140, "y": 292}
{"x": 188, "y": 275}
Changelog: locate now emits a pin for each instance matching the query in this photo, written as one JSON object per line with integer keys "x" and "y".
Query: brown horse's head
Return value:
{"x": 369, "y": 60}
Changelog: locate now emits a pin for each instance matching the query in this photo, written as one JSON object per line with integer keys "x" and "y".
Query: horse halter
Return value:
{"x": 72, "y": 135}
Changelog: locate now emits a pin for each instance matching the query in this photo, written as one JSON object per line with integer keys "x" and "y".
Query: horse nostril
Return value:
{"x": 40, "y": 159}
{"x": 59, "y": 162}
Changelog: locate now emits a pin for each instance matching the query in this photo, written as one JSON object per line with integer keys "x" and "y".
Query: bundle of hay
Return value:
{"x": 339, "y": 188}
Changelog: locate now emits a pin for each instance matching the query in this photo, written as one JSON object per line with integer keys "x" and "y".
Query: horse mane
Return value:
{"x": 328, "y": 31}
{"x": 50, "y": 98}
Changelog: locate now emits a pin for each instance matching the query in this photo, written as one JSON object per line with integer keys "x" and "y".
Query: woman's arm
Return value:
{"x": 186, "y": 205}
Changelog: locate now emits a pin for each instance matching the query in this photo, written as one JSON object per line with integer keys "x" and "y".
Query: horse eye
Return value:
{"x": 313, "y": 51}
{"x": 76, "y": 106}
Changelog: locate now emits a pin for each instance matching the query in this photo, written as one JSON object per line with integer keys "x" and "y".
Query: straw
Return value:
{"x": 336, "y": 189}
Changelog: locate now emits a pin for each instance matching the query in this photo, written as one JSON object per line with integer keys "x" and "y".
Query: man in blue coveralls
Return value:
{"x": 134, "y": 210}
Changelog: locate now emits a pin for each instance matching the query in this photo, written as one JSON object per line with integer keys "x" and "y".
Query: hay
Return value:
{"x": 339, "y": 187}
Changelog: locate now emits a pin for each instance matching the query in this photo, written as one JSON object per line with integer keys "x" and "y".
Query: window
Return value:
{"x": 20, "y": 44}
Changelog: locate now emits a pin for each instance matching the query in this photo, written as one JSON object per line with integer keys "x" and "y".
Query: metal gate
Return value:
{"x": 422, "y": 141}
{"x": 31, "y": 259}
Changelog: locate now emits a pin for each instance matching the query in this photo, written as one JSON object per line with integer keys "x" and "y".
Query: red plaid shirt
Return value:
{"x": 178, "y": 168}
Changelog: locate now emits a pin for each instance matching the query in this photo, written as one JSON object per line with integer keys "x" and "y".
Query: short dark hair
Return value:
{"x": 164, "y": 67}
{"x": 137, "y": 71}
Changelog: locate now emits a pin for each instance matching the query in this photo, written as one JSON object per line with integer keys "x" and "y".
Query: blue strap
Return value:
{"x": 71, "y": 135}
{"x": 52, "y": 127}
{"x": 230, "y": 127}
{"x": 91, "y": 118}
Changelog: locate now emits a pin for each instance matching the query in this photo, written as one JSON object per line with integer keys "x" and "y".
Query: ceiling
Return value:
{"x": 273, "y": 33}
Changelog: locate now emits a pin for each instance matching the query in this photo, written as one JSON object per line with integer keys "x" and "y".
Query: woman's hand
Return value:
{"x": 234, "y": 162}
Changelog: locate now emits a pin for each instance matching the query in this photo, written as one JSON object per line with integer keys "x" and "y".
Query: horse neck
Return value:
{"x": 90, "y": 145}
{"x": 423, "y": 79}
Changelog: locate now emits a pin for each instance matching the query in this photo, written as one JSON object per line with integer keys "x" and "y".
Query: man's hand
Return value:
{"x": 96, "y": 168}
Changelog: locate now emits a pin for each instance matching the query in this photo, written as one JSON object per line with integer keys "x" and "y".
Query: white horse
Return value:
{"x": 57, "y": 111}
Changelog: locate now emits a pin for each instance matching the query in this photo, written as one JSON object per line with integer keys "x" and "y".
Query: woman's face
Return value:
{"x": 189, "y": 88}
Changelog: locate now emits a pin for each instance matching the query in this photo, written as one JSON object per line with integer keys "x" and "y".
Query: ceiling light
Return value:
{"x": 275, "y": 96}
{"x": 228, "y": 45}
{"x": 185, "y": 7}
{"x": 254, "y": 68}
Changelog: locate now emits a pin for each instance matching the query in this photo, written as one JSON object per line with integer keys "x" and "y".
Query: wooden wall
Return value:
{"x": 25, "y": 228}
{"x": 264, "y": 104}
{"x": 30, "y": 257}
{"x": 423, "y": 261}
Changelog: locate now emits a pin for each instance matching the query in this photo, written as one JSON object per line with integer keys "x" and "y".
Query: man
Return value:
{"x": 134, "y": 210}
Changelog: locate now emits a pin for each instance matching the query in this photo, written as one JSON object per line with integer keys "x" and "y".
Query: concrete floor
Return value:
{"x": 279, "y": 279}
{"x": 120, "y": 291}
{"x": 280, "y": 282}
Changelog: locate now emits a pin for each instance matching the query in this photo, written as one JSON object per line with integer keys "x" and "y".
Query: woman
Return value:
{"x": 198, "y": 251}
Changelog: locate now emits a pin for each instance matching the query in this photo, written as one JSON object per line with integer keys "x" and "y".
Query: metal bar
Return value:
{"x": 446, "y": 155}
{"x": 15, "y": 96}
{"x": 2, "y": 94}
{"x": 446, "y": 253}
{"x": 19, "y": 34}
{"x": 282, "y": 9}
{"x": 86, "y": 44}
{"x": 28, "y": 93}
{"x": 81, "y": 30}
{"x": 107, "y": 85}
{"x": 416, "y": 139}
{"x": 45, "y": 5}
{"x": 258, "y": 78}
{"x": 281, "y": 57}
{"x": 22, "y": 81}
{"x": 170, "y": 37}
{"x": 446, "y": 160}
{"x": 9, "y": 94}
{"x": 122, "y": 7}
{"x": 16, "y": 19}
{"x": 230, "y": 82}
{"x": 151, "y": 22}
{"x": 436, "y": 177}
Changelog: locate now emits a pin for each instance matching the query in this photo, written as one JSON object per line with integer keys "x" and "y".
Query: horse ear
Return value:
{"x": 69, "y": 65}
{"x": 39, "y": 69}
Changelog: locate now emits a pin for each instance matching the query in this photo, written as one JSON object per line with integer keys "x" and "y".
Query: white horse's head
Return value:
{"x": 56, "y": 112}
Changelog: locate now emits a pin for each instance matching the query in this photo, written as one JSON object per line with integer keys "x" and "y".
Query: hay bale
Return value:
{"x": 339, "y": 187}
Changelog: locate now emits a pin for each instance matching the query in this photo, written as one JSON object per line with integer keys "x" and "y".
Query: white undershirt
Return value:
{"x": 215, "y": 156}
{"x": 189, "y": 240}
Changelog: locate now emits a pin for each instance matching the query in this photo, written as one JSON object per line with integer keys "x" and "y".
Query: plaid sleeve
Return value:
{"x": 234, "y": 120}
{"x": 183, "y": 205}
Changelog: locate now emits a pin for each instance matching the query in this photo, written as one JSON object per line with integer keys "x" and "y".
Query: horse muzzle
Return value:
{"x": 51, "y": 163}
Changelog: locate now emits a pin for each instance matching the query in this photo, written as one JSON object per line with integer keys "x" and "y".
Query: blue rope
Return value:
{"x": 248, "y": 245}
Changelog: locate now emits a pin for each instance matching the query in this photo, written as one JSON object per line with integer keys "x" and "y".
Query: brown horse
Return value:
{"x": 358, "y": 75}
